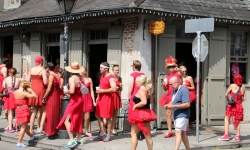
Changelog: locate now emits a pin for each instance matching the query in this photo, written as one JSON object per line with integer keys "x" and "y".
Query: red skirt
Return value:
{"x": 138, "y": 116}
{"x": 165, "y": 99}
{"x": 22, "y": 114}
{"x": 87, "y": 103}
{"x": 117, "y": 100}
{"x": 236, "y": 112}
{"x": 192, "y": 96}
{"x": 104, "y": 106}
{"x": 9, "y": 102}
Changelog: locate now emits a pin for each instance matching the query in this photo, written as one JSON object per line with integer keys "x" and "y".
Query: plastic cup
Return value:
{"x": 65, "y": 87}
{"x": 97, "y": 88}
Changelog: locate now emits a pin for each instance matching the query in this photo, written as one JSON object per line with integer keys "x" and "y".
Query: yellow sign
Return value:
{"x": 156, "y": 27}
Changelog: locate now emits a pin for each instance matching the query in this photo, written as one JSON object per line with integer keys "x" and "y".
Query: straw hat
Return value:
{"x": 170, "y": 61}
{"x": 74, "y": 68}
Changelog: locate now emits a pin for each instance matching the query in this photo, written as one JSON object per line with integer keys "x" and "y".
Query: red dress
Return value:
{"x": 22, "y": 111}
{"x": 74, "y": 110}
{"x": 135, "y": 87}
{"x": 105, "y": 106}
{"x": 88, "y": 105}
{"x": 167, "y": 97}
{"x": 9, "y": 102}
{"x": 117, "y": 95}
{"x": 53, "y": 109}
{"x": 192, "y": 93}
{"x": 236, "y": 111}
{"x": 39, "y": 88}
{"x": 140, "y": 115}
{"x": 1, "y": 80}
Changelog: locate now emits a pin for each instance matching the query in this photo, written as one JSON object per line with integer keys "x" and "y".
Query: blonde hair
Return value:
{"x": 183, "y": 67}
{"x": 25, "y": 85}
{"x": 146, "y": 82}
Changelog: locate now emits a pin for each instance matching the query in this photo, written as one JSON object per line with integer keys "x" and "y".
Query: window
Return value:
{"x": 238, "y": 55}
{"x": 180, "y": 33}
{"x": 98, "y": 34}
{"x": 10, "y": 4}
{"x": 54, "y": 37}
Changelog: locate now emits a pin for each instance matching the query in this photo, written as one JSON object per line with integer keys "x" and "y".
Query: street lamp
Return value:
{"x": 66, "y": 6}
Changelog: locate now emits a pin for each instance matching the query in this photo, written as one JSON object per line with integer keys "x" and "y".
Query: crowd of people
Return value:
{"x": 44, "y": 88}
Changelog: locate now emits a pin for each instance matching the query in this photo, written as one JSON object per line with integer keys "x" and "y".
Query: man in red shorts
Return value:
{"x": 171, "y": 65}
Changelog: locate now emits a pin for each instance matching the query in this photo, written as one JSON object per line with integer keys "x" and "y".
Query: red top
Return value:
{"x": 135, "y": 87}
{"x": 1, "y": 79}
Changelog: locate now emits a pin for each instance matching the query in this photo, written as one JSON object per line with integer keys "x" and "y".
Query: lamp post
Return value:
{"x": 66, "y": 6}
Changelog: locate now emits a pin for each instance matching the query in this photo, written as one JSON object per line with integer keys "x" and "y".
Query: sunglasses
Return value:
{"x": 171, "y": 67}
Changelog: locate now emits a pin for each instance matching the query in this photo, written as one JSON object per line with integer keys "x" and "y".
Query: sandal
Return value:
{"x": 88, "y": 135}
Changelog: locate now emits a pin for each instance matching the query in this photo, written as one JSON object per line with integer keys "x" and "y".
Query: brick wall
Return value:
{"x": 129, "y": 27}
{"x": 25, "y": 69}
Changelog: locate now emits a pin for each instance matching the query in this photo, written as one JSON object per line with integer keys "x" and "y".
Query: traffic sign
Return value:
{"x": 204, "y": 48}
{"x": 202, "y": 25}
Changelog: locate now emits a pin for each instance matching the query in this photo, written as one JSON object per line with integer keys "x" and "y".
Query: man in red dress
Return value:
{"x": 133, "y": 88}
{"x": 3, "y": 71}
{"x": 104, "y": 105}
{"x": 171, "y": 65}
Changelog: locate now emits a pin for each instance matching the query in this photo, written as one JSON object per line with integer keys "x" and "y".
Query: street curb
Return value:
{"x": 47, "y": 146}
{"x": 36, "y": 144}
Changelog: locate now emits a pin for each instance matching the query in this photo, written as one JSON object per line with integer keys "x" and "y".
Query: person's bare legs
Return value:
{"x": 109, "y": 123}
{"x": 226, "y": 124}
{"x": 114, "y": 121}
{"x": 32, "y": 118}
{"x": 177, "y": 139}
{"x": 148, "y": 137}
{"x": 238, "y": 130}
{"x": 185, "y": 140}
{"x": 169, "y": 119}
{"x": 43, "y": 116}
{"x": 101, "y": 125}
{"x": 38, "y": 117}
{"x": 24, "y": 129}
{"x": 187, "y": 129}
{"x": 10, "y": 118}
{"x": 67, "y": 125}
{"x": 134, "y": 132}
{"x": 86, "y": 121}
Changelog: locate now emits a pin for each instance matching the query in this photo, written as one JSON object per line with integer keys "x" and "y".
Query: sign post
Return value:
{"x": 198, "y": 26}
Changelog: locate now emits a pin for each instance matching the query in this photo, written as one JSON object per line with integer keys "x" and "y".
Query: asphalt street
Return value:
{"x": 11, "y": 146}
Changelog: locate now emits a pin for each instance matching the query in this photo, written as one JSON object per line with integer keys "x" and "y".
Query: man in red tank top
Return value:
{"x": 104, "y": 105}
{"x": 133, "y": 88}
{"x": 171, "y": 65}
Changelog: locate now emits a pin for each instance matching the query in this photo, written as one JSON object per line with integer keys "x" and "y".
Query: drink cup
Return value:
{"x": 97, "y": 88}
{"x": 65, "y": 87}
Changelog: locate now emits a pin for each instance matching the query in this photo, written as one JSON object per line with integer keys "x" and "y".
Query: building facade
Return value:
{"x": 117, "y": 32}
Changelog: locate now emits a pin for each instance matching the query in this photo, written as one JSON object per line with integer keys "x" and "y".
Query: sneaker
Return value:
{"x": 32, "y": 139}
{"x": 224, "y": 138}
{"x": 79, "y": 142}
{"x": 169, "y": 135}
{"x": 100, "y": 137}
{"x": 187, "y": 131}
{"x": 236, "y": 138}
{"x": 107, "y": 138}
{"x": 21, "y": 145}
{"x": 9, "y": 130}
{"x": 71, "y": 144}
{"x": 38, "y": 131}
{"x": 88, "y": 134}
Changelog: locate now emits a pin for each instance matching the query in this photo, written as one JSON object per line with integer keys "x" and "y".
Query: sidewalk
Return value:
{"x": 208, "y": 139}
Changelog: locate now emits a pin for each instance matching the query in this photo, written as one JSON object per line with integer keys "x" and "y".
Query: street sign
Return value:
{"x": 202, "y": 25}
{"x": 204, "y": 48}
{"x": 199, "y": 51}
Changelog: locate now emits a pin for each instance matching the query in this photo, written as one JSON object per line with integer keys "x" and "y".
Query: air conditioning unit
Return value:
{"x": 11, "y": 4}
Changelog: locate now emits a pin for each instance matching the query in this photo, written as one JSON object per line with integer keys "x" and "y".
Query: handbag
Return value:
{"x": 231, "y": 99}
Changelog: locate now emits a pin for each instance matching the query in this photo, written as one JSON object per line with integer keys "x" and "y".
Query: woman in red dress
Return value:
{"x": 72, "y": 118}
{"x": 88, "y": 100}
{"x": 52, "y": 99}
{"x": 140, "y": 114}
{"x": 116, "y": 97}
{"x": 189, "y": 83}
{"x": 38, "y": 78}
{"x": 61, "y": 75}
{"x": 235, "y": 112}
{"x": 104, "y": 105}
{"x": 22, "y": 96}
{"x": 10, "y": 84}
{"x": 3, "y": 72}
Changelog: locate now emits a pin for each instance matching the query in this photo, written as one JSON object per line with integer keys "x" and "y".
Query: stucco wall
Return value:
{"x": 141, "y": 51}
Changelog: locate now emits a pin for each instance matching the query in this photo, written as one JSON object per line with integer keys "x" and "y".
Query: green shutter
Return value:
{"x": 17, "y": 54}
{"x": 75, "y": 49}
{"x": 35, "y": 47}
